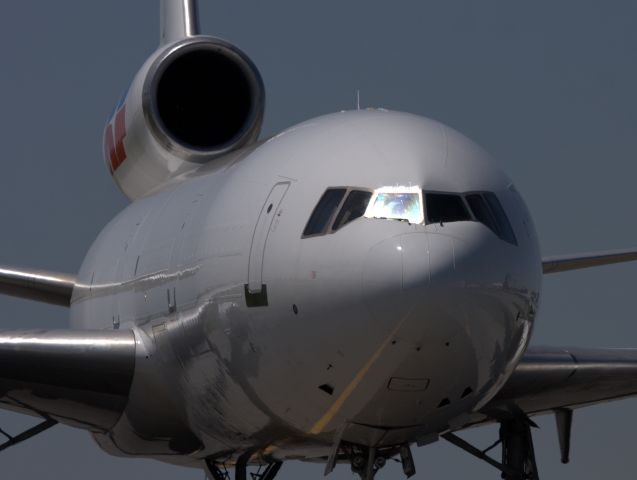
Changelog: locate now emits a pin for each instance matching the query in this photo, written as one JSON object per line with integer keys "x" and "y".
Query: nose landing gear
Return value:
{"x": 367, "y": 461}
{"x": 218, "y": 471}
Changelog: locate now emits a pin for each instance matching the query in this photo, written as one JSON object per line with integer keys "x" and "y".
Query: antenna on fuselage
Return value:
{"x": 358, "y": 99}
{"x": 178, "y": 19}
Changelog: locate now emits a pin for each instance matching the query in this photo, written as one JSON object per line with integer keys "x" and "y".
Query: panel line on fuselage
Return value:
{"x": 331, "y": 412}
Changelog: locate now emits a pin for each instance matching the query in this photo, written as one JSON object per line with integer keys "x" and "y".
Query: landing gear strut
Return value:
{"x": 518, "y": 455}
{"x": 217, "y": 471}
{"x": 365, "y": 461}
{"x": 517, "y": 450}
{"x": 31, "y": 432}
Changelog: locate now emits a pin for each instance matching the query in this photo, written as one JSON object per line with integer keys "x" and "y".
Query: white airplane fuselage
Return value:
{"x": 254, "y": 337}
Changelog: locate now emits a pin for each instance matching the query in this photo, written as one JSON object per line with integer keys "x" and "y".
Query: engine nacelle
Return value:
{"x": 191, "y": 102}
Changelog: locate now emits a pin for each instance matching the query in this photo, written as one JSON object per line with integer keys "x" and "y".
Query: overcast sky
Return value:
{"x": 547, "y": 87}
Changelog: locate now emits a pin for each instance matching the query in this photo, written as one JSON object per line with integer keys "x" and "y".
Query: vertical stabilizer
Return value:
{"x": 178, "y": 19}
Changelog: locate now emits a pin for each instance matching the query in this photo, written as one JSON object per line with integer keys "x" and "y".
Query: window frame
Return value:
{"x": 472, "y": 217}
{"x": 328, "y": 229}
{"x": 329, "y": 226}
{"x": 506, "y": 217}
{"x": 342, "y": 204}
{"x": 329, "y": 222}
{"x": 417, "y": 189}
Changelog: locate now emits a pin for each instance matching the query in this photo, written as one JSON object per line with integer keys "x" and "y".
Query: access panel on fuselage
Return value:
{"x": 260, "y": 236}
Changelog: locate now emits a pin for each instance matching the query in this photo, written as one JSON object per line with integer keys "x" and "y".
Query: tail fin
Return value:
{"x": 179, "y": 19}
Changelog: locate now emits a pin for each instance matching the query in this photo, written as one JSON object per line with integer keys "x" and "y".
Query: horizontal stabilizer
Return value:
{"x": 562, "y": 263}
{"x": 39, "y": 285}
{"x": 77, "y": 377}
{"x": 549, "y": 378}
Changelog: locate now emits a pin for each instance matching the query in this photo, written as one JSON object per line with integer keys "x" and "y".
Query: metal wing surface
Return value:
{"x": 552, "y": 378}
{"x": 39, "y": 285}
{"x": 563, "y": 263}
{"x": 77, "y": 377}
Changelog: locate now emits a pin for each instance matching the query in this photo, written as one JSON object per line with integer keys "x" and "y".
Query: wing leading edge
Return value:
{"x": 552, "y": 378}
{"x": 39, "y": 285}
{"x": 78, "y": 377}
{"x": 563, "y": 263}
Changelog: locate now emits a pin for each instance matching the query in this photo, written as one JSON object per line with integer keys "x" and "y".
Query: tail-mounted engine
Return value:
{"x": 192, "y": 102}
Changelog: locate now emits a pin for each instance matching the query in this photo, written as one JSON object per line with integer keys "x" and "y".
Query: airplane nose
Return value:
{"x": 399, "y": 263}
{"x": 415, "y": 260}
{"x": 383, "y": 277}
{"x": 393, "y": 268}
{"x": 398, "y": 269}
{"x": 383, "y": 270}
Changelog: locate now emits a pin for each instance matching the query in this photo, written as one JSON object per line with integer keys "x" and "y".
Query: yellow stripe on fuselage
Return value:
{"x": 342, "y": 398}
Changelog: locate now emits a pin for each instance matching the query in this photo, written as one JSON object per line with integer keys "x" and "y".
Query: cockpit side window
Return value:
{"x": 324, "y": 211}
{"x": 353, "y": 208}
{"x": 506, "y": 231}
{"x": 482, "y": 212}
{"x": 445, "y": 208}
{"x": 487, "y": 209}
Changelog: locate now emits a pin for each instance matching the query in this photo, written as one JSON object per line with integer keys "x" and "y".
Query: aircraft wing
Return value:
{"x": 552, "y": 378}
{"x": 76, "y": 377}
{"x": 39, "y": 285}
{"x": 563, "y": 263}
{"x": 80, "y": 378}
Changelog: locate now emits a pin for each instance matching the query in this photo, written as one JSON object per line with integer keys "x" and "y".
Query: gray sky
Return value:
{"x": 547, "y": 87}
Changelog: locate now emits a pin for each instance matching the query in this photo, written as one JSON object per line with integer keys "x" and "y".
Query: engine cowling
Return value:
{"x": 191, "y": 103}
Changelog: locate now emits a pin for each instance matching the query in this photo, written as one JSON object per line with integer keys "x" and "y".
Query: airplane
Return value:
{"x": 306, "y": 315}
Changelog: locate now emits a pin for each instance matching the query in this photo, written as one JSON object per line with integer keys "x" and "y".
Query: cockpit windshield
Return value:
{"x": 400, "y": 203}
{"x": 340, "y": 206}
